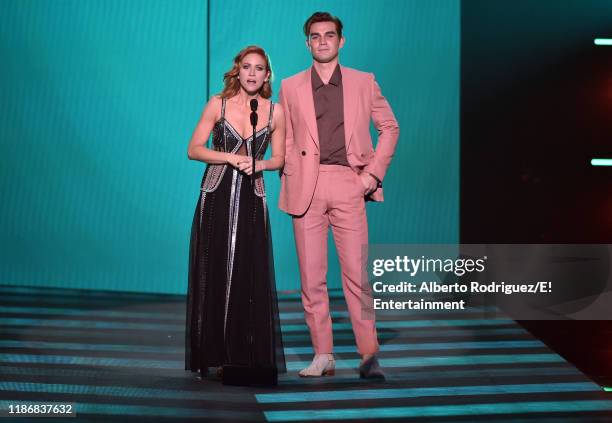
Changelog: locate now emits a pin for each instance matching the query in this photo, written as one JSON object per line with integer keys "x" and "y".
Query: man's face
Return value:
{"x": 323, "y": 42}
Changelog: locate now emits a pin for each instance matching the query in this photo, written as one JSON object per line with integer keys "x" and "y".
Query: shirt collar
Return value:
{"x": 335, "y": 79}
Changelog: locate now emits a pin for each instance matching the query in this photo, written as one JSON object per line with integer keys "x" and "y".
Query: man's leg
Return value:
{"x": 347, "y": 217}
{"x": 310, "y": 232}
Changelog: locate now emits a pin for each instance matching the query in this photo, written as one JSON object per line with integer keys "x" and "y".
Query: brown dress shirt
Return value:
{"x": 329, "y": 110}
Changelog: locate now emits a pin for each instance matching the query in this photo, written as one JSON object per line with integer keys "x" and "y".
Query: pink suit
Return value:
{"x": 319, "y": 196}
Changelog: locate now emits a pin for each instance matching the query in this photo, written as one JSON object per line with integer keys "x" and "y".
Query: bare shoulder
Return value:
{"x": 215, "y": 102}
{"x": 212, "y": 111}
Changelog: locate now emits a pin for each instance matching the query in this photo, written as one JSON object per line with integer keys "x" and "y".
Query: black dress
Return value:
{"x": 230, "y": 244}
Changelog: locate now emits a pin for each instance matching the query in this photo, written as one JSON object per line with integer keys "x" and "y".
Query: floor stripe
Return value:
{"x": 88, "y": 373}
{"x": 91, "y": 347}
{"x": 470, "y": 333}
{"x": 376, "y": 394}
{"x": 60, "y": 311}
{"x": 460, "y": 360}
{"x": 91, "y": 301}
{"x": 120, "y": 391}
{"x": 441, "y": 410}
{"x": 422, "y": 378}
{"x": 516, "y": 371}
{"x": 400, "y": 314}
{"x": 412, "y": 324}
{"x": 91, "y": 333}
{"x": 86, "y": 293}
{"x": 91, "y": 361}
{"x": 418, "y": 333}
{"x": 64, "y": 323}
{"x": 134, "y": 392}
{"x": 427, "y": 346}
{"x": 288, "y": 350}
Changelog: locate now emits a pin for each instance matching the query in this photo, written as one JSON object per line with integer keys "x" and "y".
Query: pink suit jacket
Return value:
{"x": 362, "y": 101}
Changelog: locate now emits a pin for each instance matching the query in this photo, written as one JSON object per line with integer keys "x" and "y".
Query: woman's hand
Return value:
{"x": 246, "y": 165}
{"x": 236, "y": 160}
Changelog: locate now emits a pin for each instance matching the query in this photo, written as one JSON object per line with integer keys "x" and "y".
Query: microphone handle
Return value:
{"x": 254, "y": 123}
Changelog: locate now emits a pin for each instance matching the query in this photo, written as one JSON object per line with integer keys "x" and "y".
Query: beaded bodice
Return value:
{"x": 226, "y": 137}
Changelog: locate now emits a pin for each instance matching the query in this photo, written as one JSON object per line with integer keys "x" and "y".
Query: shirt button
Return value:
{"x": 303, "y": 153}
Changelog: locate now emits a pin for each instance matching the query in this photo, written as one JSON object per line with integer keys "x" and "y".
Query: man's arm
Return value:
{"x": 388, "y": 132}
{"x": 282, "y": 99}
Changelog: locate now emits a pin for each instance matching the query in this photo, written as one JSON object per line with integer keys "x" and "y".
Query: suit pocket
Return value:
{"x": 359, "y": 188}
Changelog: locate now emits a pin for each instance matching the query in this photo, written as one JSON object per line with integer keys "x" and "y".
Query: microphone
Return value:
{"x": 253, "y": 104}
{"x": 253, "y": 111}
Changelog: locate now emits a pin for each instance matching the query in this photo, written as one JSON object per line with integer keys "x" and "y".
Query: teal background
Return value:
{"x": 99, "y": 98}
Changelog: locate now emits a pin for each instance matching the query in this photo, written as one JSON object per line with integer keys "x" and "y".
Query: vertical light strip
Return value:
{"x": 207, "y": 50}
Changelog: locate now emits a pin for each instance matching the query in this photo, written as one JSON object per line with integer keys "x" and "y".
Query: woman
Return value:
{"x": 232, "y": 311}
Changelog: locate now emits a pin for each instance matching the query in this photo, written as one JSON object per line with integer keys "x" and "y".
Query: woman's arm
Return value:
{"x": 197, "y": 149}
{"x": 277, "y": 159}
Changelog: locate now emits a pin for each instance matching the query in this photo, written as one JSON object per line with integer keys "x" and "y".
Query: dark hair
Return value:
{"x": 322, "y": 17}
{"x": 230, "y": 79}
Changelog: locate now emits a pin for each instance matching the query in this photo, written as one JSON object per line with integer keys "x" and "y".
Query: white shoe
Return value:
{"x": 322, "y": 365}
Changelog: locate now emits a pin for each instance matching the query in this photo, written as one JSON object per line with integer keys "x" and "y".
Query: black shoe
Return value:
{"x": 370, "y": 369}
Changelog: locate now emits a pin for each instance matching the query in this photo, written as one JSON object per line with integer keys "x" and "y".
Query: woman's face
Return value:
{"x": 253, "y": 73}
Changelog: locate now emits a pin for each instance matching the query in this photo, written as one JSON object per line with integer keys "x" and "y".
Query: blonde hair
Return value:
{"x": 230, "y": 78}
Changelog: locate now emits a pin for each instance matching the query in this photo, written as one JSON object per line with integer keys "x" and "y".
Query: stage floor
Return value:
{"x": 120, "y": 357}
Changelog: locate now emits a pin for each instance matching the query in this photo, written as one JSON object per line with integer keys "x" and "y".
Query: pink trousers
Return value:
{"x": 338, "y": 202}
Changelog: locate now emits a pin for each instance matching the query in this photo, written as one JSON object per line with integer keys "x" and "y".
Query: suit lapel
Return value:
{"x": 307, "y": 103}
{"x": 350, "y": 98}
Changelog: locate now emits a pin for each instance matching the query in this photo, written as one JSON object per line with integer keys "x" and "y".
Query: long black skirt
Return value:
{"x": 232, "y": 293}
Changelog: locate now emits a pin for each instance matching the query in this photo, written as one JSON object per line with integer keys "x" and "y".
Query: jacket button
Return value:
{"x": 303, "y": 153}
{"x": 362, "y": 155}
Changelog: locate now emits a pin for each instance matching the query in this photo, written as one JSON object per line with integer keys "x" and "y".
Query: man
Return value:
{"x": 331, "y": 168}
